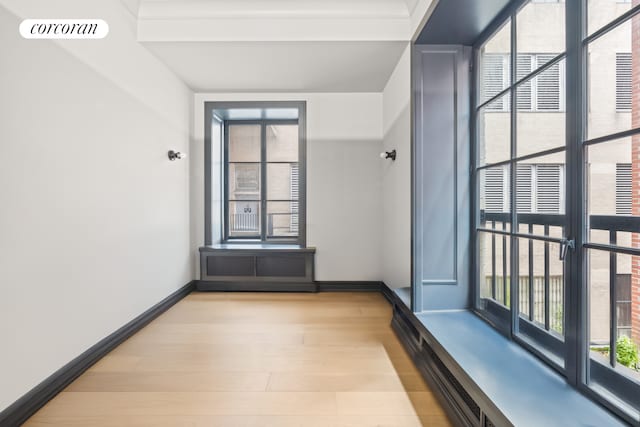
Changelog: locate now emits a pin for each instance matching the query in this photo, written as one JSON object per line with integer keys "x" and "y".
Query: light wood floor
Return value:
{"x": 247, "y": 359}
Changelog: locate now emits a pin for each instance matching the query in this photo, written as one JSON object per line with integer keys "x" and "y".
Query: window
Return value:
{"x": 623, "y": 81}
{"x": 255, "y": 180}
{"x": 623, "y": 305}
{"x": 264, "y": 181}
{"x": 557, "y": 226}
{"x": 540, "y": 189}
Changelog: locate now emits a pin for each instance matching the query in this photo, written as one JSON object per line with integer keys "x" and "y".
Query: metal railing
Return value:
{"x": 250, "y": 222}
{"x": 615, "y": 225}
{"x": 244, "y": 222}
{"x": 541, "y": 297}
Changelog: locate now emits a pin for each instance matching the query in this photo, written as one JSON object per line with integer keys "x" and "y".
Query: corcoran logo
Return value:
{"x": 64, "y": 29}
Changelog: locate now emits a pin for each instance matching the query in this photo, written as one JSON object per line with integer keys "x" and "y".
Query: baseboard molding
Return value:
{"x": 389, "y": 294}
{"x": 349, "y": 286}
{"x": 23, "y": 408}
{"x": 317, "y": 286}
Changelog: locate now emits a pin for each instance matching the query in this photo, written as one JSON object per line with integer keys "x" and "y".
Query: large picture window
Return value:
{"x": 557, "y": 190}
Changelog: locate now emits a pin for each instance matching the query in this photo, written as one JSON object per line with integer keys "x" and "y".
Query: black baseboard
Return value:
{"x": 317, "y": 286}
{"x": 209, "y": 286}
{"x": 388, "y": 293}
{"x": 18, "y": 412}
{"x": 348, "y": 286}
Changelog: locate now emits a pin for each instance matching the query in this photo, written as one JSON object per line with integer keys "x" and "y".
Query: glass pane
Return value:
{"x": 494, "y": 131}
{"x": 541, "y": 112}
{"x": 541, "y": 282}
{"x": 495, "y": 196}
{"x": 599, "y": 336}
{"x": 611, "y": 178}
{"x": 244, "y": 143}
{"x": 495, "y": 60}
{"x": 282, "y": 143}
{"x": 618, "y": 238}
{"x": 494, "y": 265}
{"x": 282, "y": 219}
{"x": 540, "y": 190}
{"x": 244, "y": 181}
{"x": 601, "y": 12}
{"x": 244, "y": 219}
{"x": 627, "y": 308}
{"x": 611, "y": 83}
{"x": 541, "y": 30}
{"x": 282, "y": 181}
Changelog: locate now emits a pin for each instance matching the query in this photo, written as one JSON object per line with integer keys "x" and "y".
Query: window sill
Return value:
{"x": 508, "y": 376}
{"x": 255, "y": 246}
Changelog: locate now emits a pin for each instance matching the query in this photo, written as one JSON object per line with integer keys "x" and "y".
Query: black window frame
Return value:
{"x": 222, "y": 181}
{"x": 602, "y": 383}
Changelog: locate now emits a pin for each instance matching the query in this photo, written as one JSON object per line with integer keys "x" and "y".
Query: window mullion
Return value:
{"x": 263, "y": 178}
{"x": 576, "y": 318}
{"x": 514, "y": 285}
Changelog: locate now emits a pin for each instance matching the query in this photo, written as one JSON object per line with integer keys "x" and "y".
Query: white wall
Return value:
{"x": 344, "y": 192}
{"x": 94, "y": 223}
{"x": 396, "y": 176}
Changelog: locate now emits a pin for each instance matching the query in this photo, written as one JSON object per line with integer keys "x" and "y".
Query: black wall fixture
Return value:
{"x": 388, "y": 155}
{"x": 175, "y": 155}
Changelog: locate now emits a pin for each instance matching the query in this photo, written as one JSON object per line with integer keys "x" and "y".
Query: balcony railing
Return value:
{"x": 250, "y": 223}
{"x": 244, "y": 223}
{"x": 541, "y": 297}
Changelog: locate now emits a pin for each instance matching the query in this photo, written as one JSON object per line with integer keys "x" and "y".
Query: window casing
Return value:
{"x": 255, "y": 172}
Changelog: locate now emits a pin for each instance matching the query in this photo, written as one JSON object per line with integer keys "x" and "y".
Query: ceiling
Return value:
{"x": 281, "y": 66}
{"x": 276, "y": 7}
{"x": 278, "y": 45}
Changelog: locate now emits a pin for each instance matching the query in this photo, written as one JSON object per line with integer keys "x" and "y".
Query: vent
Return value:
{"x": 523, "y": 67}
{"x": 494, "y": 74}
{"x": 548, "y": 85}
{"x": 488, "y": 422}
{"x": 623, "y": 81}
{"x": 548, "y": 187}
{"x": 623, "y": 189}
{"x": 496, "y": 190}
{"x": 451, "y": 380}
{"x": 523, "y": 191}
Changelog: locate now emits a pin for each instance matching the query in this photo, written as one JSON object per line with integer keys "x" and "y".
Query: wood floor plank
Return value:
{"x": 170, "y": 381}
{"x": 255, "y": 359}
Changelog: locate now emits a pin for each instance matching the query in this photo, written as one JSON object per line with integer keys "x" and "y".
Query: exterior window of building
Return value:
{"x": 546, "y": 258}
{"x": 539, "y": 189}
{"x": 544, "y": 92}
{"x": 262, "y": 169}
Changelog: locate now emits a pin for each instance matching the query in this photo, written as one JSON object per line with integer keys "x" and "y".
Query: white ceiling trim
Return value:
{"x": 276, "y": 30}
{"x": 184, "y": 9}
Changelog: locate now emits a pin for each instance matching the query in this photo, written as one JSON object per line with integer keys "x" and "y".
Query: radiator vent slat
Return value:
{"x": 453, "y": 382}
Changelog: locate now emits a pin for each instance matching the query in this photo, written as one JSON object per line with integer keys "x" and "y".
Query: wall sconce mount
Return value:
{"x": 388, "y": 155}
{"x": 175, "y": 155}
